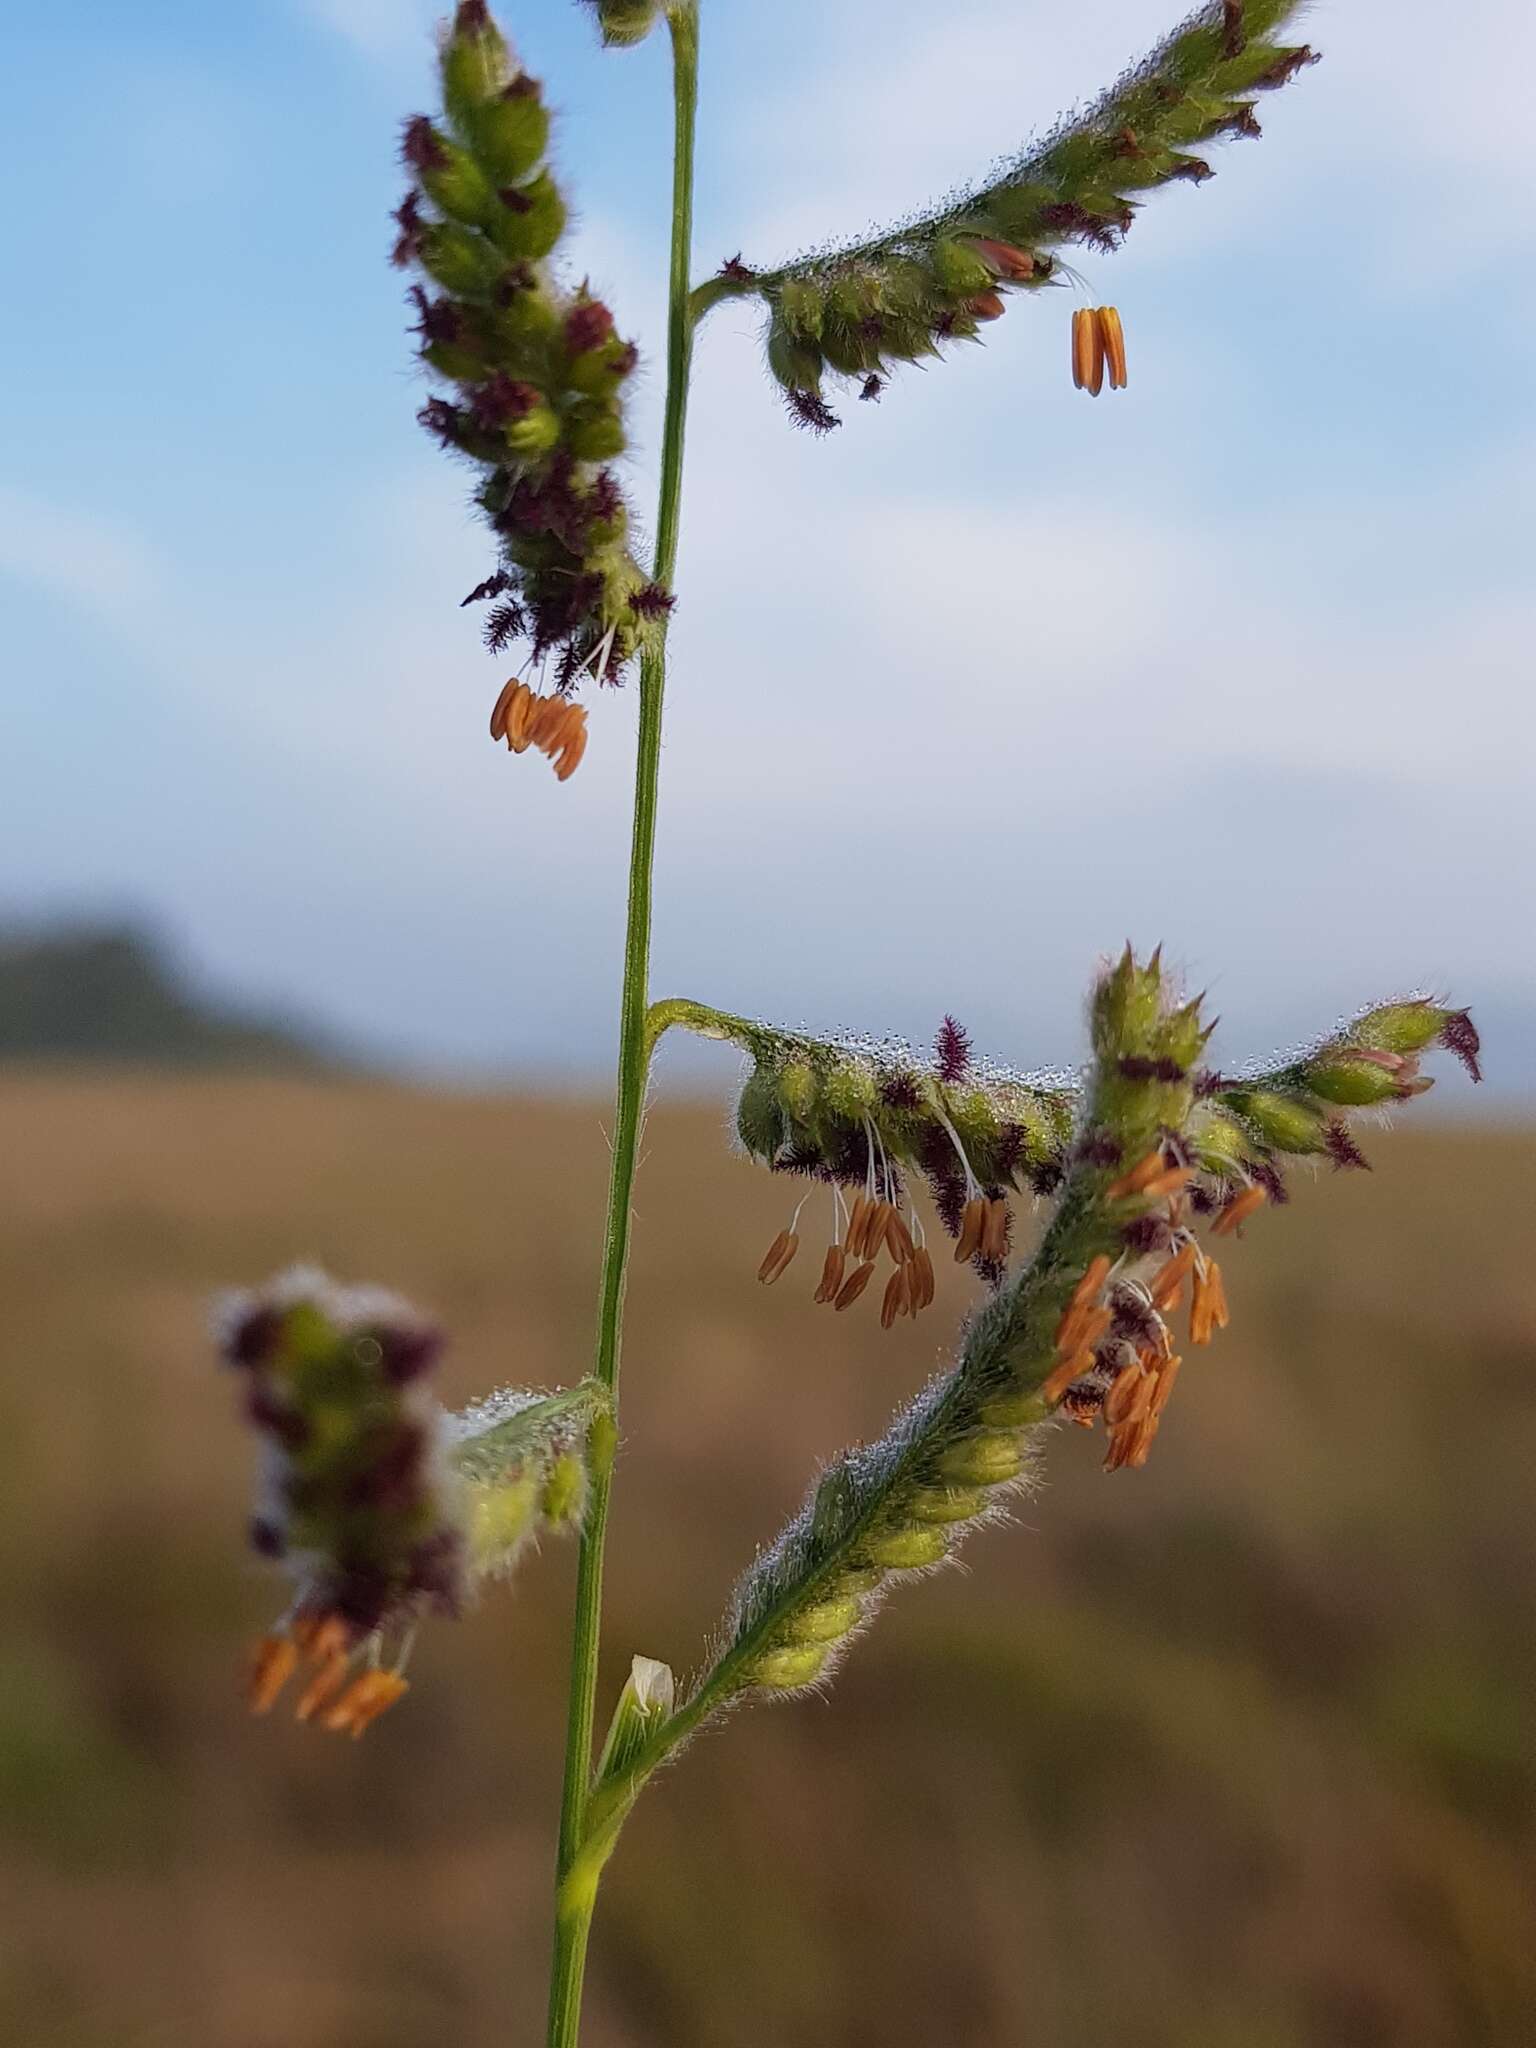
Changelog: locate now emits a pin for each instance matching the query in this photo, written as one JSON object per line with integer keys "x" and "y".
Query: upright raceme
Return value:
{"x": 535, "y": 371}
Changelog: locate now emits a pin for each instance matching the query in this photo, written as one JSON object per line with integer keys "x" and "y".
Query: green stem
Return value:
{"x": 575, "y": 1902}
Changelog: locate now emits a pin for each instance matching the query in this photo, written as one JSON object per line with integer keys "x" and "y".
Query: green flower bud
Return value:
{"x": 783, "y": 1670}
{"x": 1285, "y": 1123}
{"x": 501, "y": 1518}
{"x": 958, "y": 270}
{"x": 798, "y": 1089}
{"x": 592, "y": 435}
{"x": 1127, "y": 1004}
{"x": 907, "y": 1550}
{"x": 802, "y": 308}
{"x": 512, "y": 133}
{"x": 849, "y": 1092}
{"x": 981, "y": 1461}
{"x": 565, "y": 1491}
{"x": 452, "y": 359}
{"x": 974, "y": 1116}
{"x": 1013, "y": 1410}
{"x": 1399, "y": 1027}
{"x": 475, "y": 65}
{"x": 1353, "y": 1082}
{"x": 1220, "y": 1143}
{"x": 460, "y": 261}
{"x": 527, "y": 326}
{"x": 536, "y": 433}
{"x": 947, "y": 1503}
{"x": 826, "y": 1621}
{"x": 760, "y": 1115}
{"x": 527, "y": 224}
{"x": 625, "y": 22}
{"x": 598, "y": 372}
{"x": 796, "y": 364}
{"x": 455, "y": 183}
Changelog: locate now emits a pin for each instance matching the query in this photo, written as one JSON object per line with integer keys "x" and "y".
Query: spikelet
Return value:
{"x": 382, "y": 1507}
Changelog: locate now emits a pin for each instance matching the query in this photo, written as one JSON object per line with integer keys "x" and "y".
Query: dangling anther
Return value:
{"x": 1056, "y": 1383}
{"x": 1112, "y": 339}
{"x": 778, "y": 1257}
{"x": 1122, "y": 1393}
{"x": 894, "y": 1303}
{"x": 1087, "y": 351}
{"x": 922, "y": 1280}
{"x": 502, "y": 706}
{"x": 994, "y": 1235}
{"x": 831, "y": 1273}
{"x": 1168, "y": 1372}
{"x": 973, "y": 1222}
{"x": 272, "y": 1665}
{"x": 519, "y": 715}
{"x": 899, "y": 1238}
{"x": 854, "y": 1285}
{"x": 1238, "y": 1210}
{"x": 1167, "y": 1285}
{"x": 779, "y": 1254}
{"x": 1208, "y": 1303}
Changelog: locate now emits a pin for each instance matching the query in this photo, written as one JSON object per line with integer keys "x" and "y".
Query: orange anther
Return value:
{"x": 1238, "y": 1210}
{"x": 831, "y": 1273}
{"x": 854, "y": 1285}
{"x": 778, "y": 1256}
{"x": 973, "y": 1222}
{"x": 1141, "y": 1173}
{"x": 272, "y": 1665}
{"x": 895, "y": 1301}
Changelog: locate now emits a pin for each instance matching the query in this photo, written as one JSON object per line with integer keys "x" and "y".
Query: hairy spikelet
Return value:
{"x": 823, "y": 1107}
{"x": 851, "y": 311}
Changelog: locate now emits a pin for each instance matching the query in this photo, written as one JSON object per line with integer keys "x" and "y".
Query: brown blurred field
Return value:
{"x": 1233, "y": 1753}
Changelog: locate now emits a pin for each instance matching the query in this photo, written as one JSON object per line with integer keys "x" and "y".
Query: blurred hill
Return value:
{"x": 114, "y": 992}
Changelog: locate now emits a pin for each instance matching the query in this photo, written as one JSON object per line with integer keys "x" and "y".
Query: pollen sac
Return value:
{"x": 537, "y": 372}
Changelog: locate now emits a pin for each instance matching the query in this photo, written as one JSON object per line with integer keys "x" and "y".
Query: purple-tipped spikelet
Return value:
{"x": 382, "y": 1508}
{"x": 871, "y": 1119}
{"x": 538, "y": 372}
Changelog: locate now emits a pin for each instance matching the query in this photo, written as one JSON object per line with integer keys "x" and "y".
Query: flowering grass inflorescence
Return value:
{"x": 383, "y": 1508}
{"x": 537, "y": 369}
{"x": 853, "y": 312}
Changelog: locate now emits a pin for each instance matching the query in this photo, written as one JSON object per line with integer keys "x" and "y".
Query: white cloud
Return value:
{"x": 383, "y": 30}
{"x": 84, "y": 561}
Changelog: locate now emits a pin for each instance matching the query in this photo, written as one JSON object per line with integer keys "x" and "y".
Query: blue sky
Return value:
{"x": 963, "y": 695}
